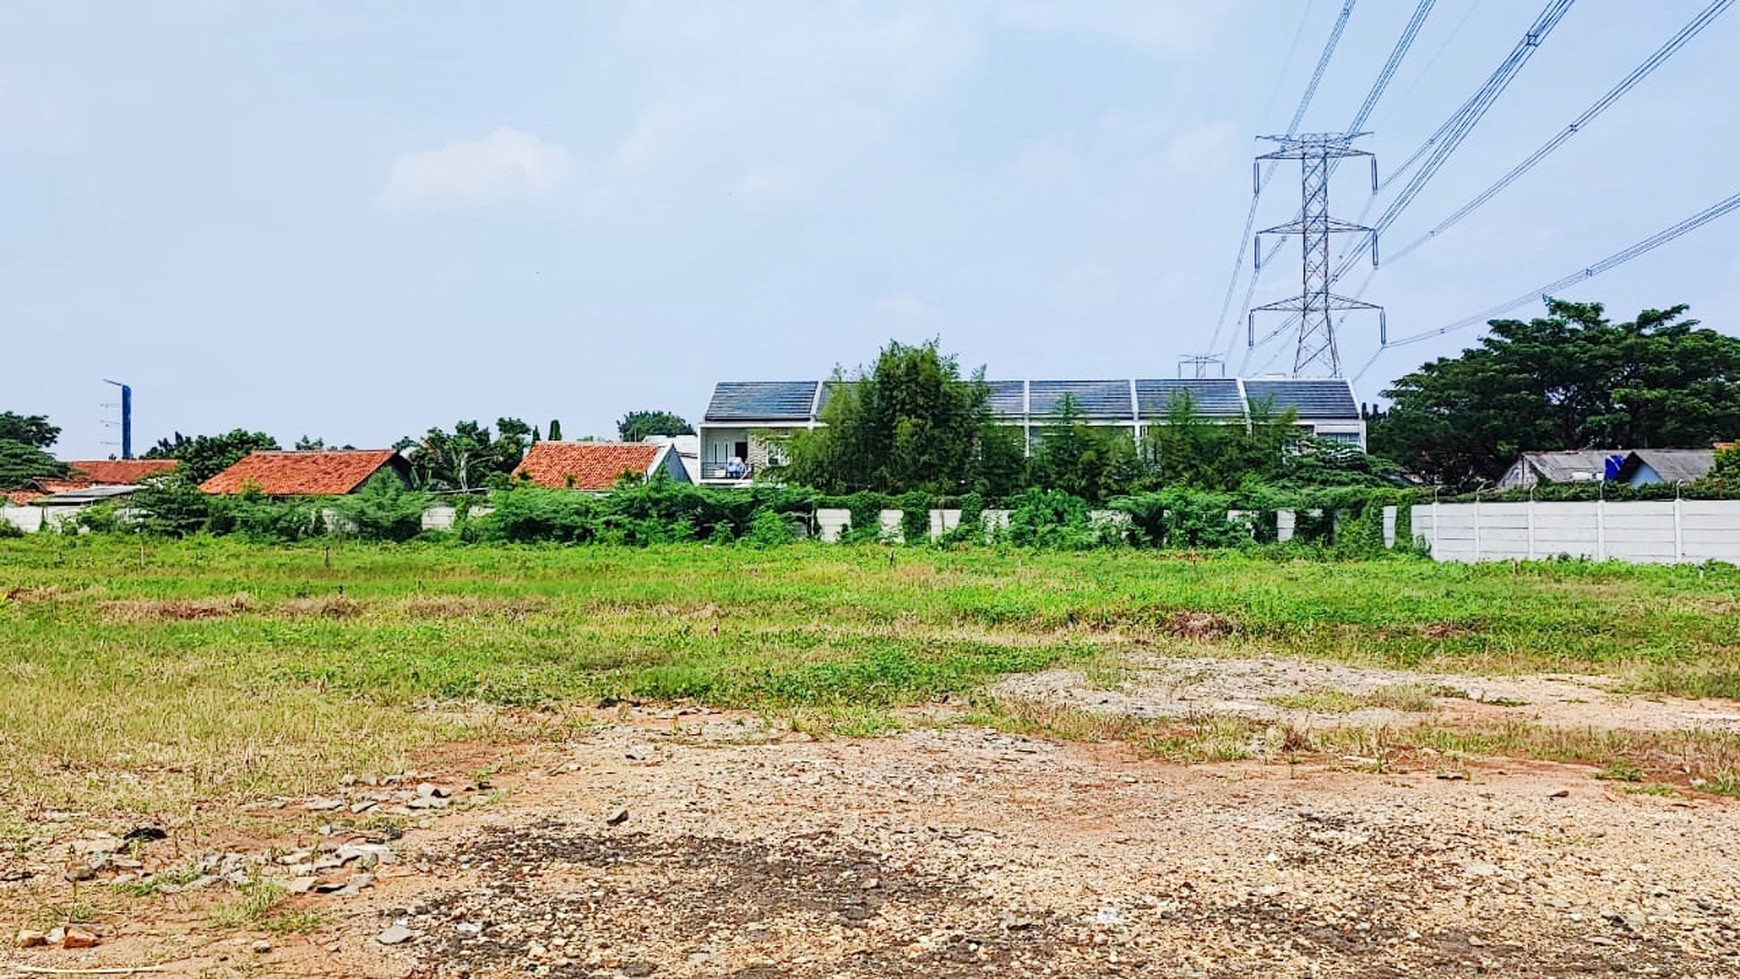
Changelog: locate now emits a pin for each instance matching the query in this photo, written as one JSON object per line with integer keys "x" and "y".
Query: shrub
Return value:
{"x": 915, "y": 517}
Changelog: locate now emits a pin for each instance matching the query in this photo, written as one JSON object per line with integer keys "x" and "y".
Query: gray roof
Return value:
{"x": 1119, "y": 399}
{"x": 759, "y": 401}
{"x": 1312, "y": 398}
{"x": 87, "y": 495}
{"x": 1675, "y": 465}
{"x": 1214, "y": 396}
{"x": 1570, "y": 465}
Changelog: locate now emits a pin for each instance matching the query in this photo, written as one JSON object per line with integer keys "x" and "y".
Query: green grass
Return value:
{"x": 146, "y": 681}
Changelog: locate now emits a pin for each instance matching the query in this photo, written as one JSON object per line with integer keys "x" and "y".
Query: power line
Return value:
{"x": 1614, "y": 260}
{"x": 1388, "y": 71}
{"x": 1638, "y": 74}
{"x": 1438, "y": 147}
{"x": 1298, "y": 114}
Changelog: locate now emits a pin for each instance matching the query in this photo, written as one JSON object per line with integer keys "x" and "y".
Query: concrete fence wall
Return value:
{"x": 1651, "y": 532}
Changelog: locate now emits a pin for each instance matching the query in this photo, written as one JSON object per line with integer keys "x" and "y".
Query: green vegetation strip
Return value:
{"x": 153, "y": 674}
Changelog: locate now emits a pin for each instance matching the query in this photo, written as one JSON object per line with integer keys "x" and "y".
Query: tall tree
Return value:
{"x": 204, "y": 456}
{"x": 32, "y": 430}
{"x": 555, "y": 430}
{"x": 1093, "y": 462}
{"x": 1569, "y": 380}
{"x": 911, "y": 422}
{"x": 637, "y": 425}
{"x": 469, "y": 457}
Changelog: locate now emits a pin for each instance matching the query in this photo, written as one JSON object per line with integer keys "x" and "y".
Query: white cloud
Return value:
{"x": 505, "y": 164}
{"x": 905, "y": 310}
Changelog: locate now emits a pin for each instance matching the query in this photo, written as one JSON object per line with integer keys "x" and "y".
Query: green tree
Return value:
{"x": 555, "y": 430}
{"x": 1569, "y": 380}
{"x": 1187, "y": 449}
{"x": 911, "y": 422}
{"x": 204, "y": 456}
{"x": 1094, "y": 462}
{"x": 637, "y": 425}
{"x": 22, "y": 464}
{"x": 32, "y": 430}
{"x": 469, "y": 457}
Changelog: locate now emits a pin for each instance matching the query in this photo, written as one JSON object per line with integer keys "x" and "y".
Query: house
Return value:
{"x": 687, "y": 449}
{"x": 1567, "y": 466}
{"x": 596, "y": 466}
{"x": 1632, "y": 467}
{"x": 118, "y": 472}
{"x": 1644, "y": 467}
{"x": 745, "y": 420}
{"x": 318, "y": 473}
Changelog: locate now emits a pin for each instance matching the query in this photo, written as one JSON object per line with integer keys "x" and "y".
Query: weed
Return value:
{"x": 296, "y": 922}
{"x": 1654, "y": 788}
{"x": 256, "y": 900}
{"x": 1726, "y": 782}
{"x": 1621, "y": 770}
{"x": 145, "y": 887}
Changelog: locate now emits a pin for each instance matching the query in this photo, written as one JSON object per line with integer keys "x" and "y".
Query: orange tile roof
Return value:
{"x": 300, "y": 473}
{"x": 585, "y": 465}
{"x": 117, "y": 472}
{"x": 62, "y": 485}
{"x": 21, "y": 497}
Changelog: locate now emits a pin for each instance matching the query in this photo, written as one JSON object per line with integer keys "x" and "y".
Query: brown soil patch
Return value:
{"x": 963, "y": 852}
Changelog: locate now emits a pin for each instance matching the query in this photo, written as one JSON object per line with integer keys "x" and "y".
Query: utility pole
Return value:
{"x": 126, "y": 418}
{"x": 1315, "y": 305}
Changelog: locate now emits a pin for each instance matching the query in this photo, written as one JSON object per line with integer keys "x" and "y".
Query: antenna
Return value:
{"x": 126, "y": 417}
{"x": 1199, "y": 365}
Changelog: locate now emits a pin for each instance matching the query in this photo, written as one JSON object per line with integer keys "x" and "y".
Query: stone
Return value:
{"x": 319, "y": 804}
{"x": 365, "y": 854}
{"x": 1562, "y": 793}
{"x": 145, "y": 834}
{"x": 617, "y": 817}
{"x": 77, "y": 938}
{"x": 363, "y": 806}
{"x": 360, "y": 881}
{"x": 396, "y": 935}
{"x": 262, "y": 946}
{"x": 429, "y": 790}
{"x": 637, "y": 969}
{"x": 30, "y": 939}
{"x": 299, "y": 885}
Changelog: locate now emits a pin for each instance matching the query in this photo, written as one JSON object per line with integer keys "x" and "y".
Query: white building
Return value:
{"x": 744, "y": 418}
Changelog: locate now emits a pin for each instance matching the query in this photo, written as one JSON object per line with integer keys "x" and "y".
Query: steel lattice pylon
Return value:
{"x": 1315, "y": 305}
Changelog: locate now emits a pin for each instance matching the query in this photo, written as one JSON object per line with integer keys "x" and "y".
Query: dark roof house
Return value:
{"x": 307, "y": 473}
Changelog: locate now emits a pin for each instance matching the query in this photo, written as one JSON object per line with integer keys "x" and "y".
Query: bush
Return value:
{"x": 384, "y": 510}
{"x": 769, "y": 529}
{"x": 915, "y": 517}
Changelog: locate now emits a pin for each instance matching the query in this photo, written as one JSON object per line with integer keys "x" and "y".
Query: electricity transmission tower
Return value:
{"x": 1315, "y": 305}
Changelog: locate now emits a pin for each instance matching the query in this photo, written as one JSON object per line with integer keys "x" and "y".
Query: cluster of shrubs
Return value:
{"x": 1347, "y": 520}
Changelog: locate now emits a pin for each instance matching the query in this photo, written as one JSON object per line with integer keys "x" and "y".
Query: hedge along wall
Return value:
{"x": 1373, "y": 528}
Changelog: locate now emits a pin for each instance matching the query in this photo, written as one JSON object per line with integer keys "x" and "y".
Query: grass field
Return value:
{"x": 153, "y": 677}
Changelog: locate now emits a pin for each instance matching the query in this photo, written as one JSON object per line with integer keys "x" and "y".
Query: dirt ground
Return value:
{"x": 702, "y": 844}
{"x": 1263, "y": 688}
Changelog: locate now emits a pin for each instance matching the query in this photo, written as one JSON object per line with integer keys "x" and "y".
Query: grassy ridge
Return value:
{"x": 216, "y": 666}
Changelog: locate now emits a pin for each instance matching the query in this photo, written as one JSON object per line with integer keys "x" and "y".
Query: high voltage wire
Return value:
{"x": 1638, "y": 74}
{"x": 1448, "y": 136}
{"x": 1388, "y": 72}
{"x": 1292, "y": 127}
{"x": 1379, "y": 85}
{"x": 1466, "y": 118}
{"x": 1614, "y": 260}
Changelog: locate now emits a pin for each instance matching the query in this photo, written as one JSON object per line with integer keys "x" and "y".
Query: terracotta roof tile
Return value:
{"x": 585, "y": 465}
{"x": 301, "y": 473}
{"x": 120, "y": 472}
{"x": 62, "y": 485}
{"x": 21, "y": 497}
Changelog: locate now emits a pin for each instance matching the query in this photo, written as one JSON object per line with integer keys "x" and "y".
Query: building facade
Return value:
{"x": 741, "y": 431}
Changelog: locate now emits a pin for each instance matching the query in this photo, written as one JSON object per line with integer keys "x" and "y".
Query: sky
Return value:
{"x": 356, "y": 221}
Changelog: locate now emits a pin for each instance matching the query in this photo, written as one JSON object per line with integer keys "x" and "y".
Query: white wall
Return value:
{"x": 1650, "y": 532}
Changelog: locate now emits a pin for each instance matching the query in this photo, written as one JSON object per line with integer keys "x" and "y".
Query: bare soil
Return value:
{"x": 1269, "y": 688}
{"x": 710, "y": 845}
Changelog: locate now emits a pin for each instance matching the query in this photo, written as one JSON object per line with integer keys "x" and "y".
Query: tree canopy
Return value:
{"x": 32, "y": 430}
{"x": 909, "y": 423}
{"x": 469, "y": 457}
{"x": 637, "y": 425}
{"x": 204, "y": 456}
{"x": 23, "y": 441}
{"x": 1569, "y": 380}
